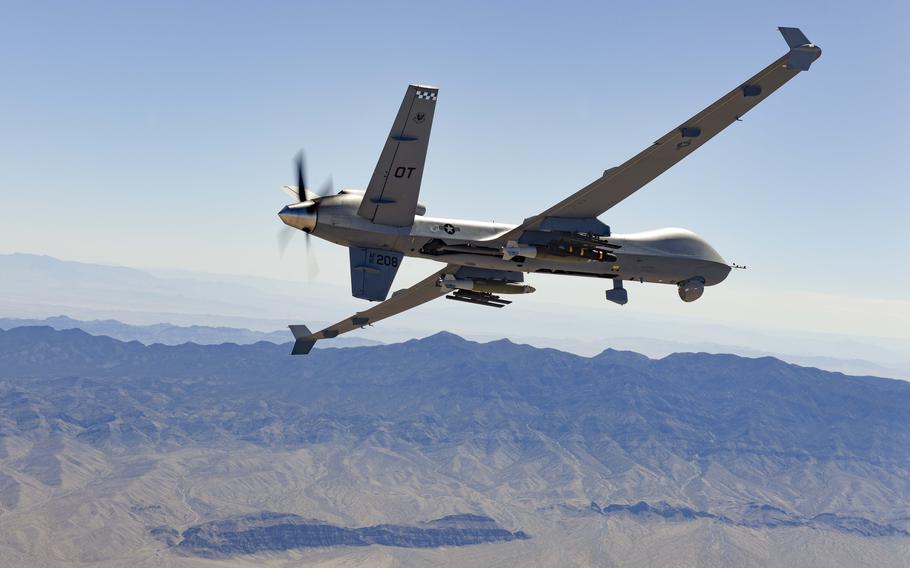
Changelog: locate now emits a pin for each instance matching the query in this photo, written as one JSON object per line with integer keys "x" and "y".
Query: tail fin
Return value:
{"x": 391, "y": 196}
{"x": 303, "y": 339}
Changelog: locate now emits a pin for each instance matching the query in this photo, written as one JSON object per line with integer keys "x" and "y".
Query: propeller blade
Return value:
{"x": 285, "y": 234}
{"x": 312, "y": 267}
{"x": 327, "y": 188}
{"x": 301, "y": 177}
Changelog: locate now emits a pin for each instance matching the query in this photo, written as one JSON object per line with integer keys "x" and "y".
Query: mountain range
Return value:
{"x": 118, "y": 452}
{"x": 130, "y": 303}
{"x": 170, "y": 334}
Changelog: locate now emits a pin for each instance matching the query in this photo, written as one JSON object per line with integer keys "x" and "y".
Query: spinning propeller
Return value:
{"x": 301, "y": 215}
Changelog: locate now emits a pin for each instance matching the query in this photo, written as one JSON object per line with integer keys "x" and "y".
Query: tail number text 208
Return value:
{"x": 386, "y": 260}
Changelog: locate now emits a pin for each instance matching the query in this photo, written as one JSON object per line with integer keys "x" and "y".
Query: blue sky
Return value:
{"x": 157, "y": 134}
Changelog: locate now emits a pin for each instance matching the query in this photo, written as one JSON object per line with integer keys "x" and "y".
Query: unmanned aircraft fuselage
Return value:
{"x": 666, "y": 256}
{"x": 385, "y": 222}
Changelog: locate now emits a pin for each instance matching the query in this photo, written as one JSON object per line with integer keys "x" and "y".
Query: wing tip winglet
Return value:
{"x": 802, "y": 51}
{"x": 303, "y": 339}
{"x": 794, "y": 36}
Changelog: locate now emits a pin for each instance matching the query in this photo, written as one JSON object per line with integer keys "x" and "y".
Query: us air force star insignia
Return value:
{"x": 449, "y": 228}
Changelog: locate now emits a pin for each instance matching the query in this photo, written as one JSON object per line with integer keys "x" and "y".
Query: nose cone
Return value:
{"x": 300, "y": 216}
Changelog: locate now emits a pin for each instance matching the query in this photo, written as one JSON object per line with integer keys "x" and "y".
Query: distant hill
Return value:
{"x": 173, "y": 307}
{"x": 116, "y": 450}
{"x": 170, "y": 334}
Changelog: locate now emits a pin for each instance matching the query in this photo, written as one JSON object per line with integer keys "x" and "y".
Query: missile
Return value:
{"x": 502, "y": 287}
{"x": 491, "y": 286}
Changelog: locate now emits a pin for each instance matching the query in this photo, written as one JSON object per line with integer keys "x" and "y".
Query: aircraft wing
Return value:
{"x": 401, "y": 301}
{"x": 391, "y": 196}
{"x": 620, "y": 182}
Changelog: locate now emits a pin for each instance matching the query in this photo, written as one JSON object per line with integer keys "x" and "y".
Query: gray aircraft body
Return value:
{"x": 484, "y": 261}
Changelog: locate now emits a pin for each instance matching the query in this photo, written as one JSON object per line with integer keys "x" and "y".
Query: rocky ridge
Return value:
{"x": 269, "y": 532}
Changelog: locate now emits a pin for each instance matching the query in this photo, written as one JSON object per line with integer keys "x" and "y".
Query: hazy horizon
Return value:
{"x": 48, "y": 287}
